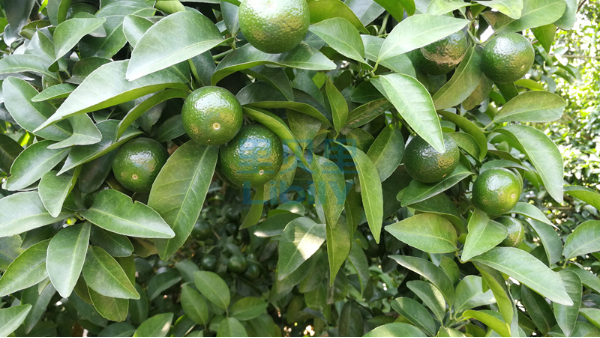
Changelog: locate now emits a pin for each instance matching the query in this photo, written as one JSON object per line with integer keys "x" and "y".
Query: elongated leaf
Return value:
{"x": 550, "y": 239}
{"x": 104, "y": 275}
{"x": 339, "y": 107}
{"x": 115, "y": 309}
{"x": 530, "y": 211}
{"x": 387, "y": 151}
{"x": 114, "y": 211}
{"x": 194, "y": 305}
{"x": 300, "y": 239}
{"x": 414, "y": 104}
{"x": 106, "y": 46}
{"x": 342, "y": 36}
{"x": 179, "y": 191}
{"x": 512, "y": 8}
{"x": 395, "y": 330}
{"x": 54, "y": 189}
{"x": 67, "y": 34}
{"x": 491, "y": 321}
{"x": 469, "y": 294}
{"x": 26, "y": 270}
{"x": 134, "y": 28}
{"x": 431, "y": 297}
{"x": 248, "y": 308}
{"x": 528, "y": 270}
{"x": 585, "y": 194}
{"x": 538, "y": 309}
{"x": 54, "y": 92}
{"x": 470, "y": 128}
{"x": 534, "y": 14}
{"x": 330, "y": 188}
{"x": 66, "y": 255}
{"x": 484, "y": 234}
{"x": 85, "y": 132}
{"x": 213, "y": 288}
{"x": 428, "y": 270}
{"x": 20, "y": 63}
{"x": 417, "y": 191}
{"x": 22, "y": 212}
{"x": 339, "y": 241}
{"x": 543, "y": 154}
{"x": 245, "y": 57}
{"x": 161, "y": 282}
{"x": 464, "y": 81}
{"x": 327, "y": 9}
{"x": 418, "y": 31}
{"x": 33, "y": 163}
{"x": 157, "y": 326}
{"x": 12, "y": 317}
{"x": 583, "y": 240}
{"x": 415, "y": 313}
{"x": 566, "y": 316}
{"x": 107, "y": 87}
{"x": 156, "y": 51}
{"x": 9, "y": 150}
{"x": 568, "y": 19}
{"x": 532, "y": 107}
{"x": 371, "y": 192}
{"x": 231, "y": 327}
{"x": 116, "y": 245}
{"x": 256, "y": 210}
{"x": 427, "y": 232}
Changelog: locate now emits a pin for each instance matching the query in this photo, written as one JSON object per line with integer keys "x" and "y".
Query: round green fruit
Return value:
{"x": 202, "y": 230}
{"x": 516, "y": 231}
{"x": 138, "y": 162}
{"x": 237, "y": 264}
{"x": 442, "y": 56}
{"x": 212, "y": 116}
{"x": 253, "y": 157}
{"x": 252, "y": 272}
{"x": 208, "y": 263}
{"x": 496, "y": 191}
{"x": 427, "y": 165}
{"x": 274, "y": 26}
{"x": 507, "y": 57}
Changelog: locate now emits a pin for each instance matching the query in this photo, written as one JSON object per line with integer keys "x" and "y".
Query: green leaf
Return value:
{"x": 194, "y": 305}
{"x": 545, "y": 36}
{"x": 116, "y": 245}
{"x": 566, "y": 316}
{"x": 467, "y": 143}
{"x": 387, "y": 151}
{"x": 26, "y": 270}
{"x": 32, "y": 164}
{"x": 22, "y": 63}
{"x": 543, "y": 154}
{"x": 276, "y": 77}
{"x": 106, "y": 87}
{"x": 418, "y": 192}
{"x": 104, "y": 275}
{"x": 396, "y": 8}
{"x": 66, "y": 255}
{"x": 68, "y": 33}
{"x": 415, "y": 313}
{"x": 301, "y": 238}
{"x": 115, "y": 309}
{"x": 248, "y": 308}
{"x": 491, "y": 321}
{"x": 12, "y": 317}
{"x": 351, "y": 322}
{"x": 339, "y": 241}
{"x": 534, "y": 106}
{"x": 538, "y": 309}
{"x": 54, "y": 189}
{"x": 179, "y": 191}
{"x": 170, "y": 129}
{"x": 470, "y": 128}
{"x": 256, "y": 210}
{"x": 366, "y": 11}
{"x": 30, "y": 115}
{"x": 213, "y": 288}
{"x": 525, "y": 268}
{"x": 418, "y": 31}
{"x": 358, "y": 259}
{"x": 550, "y": 239}
{"x": 414, "y": 104}
{"x": 592, "y": 315}
{"x": 39, "y": 296}
{"x": 583, "y": 240}
{"x": 484, "y": 234}
{"x": 339, "y": 107}
{"x": 114, "y": 211}
{"x": 440, "y": 7}
{"x": 431, "y": 297}
{"x": 117, "y": 330}
{"x": 585, "y": 194}
{"x": 481, "y": 92}
{"x": 231, "y": 327}
{"x": 512, "y": 8}
{"x": 534, "y": 14}
{"x": 245, "y": 57}
{"x": 465, "y": 80}
{"x": 157, "y": 326}
{"x": 395, "y": 330}
{"x": 134, "y": 28}
{"x": 327, "y": 9}
{"x": 32, "y": 214}
{"x": 427, "y": 232}
{"x": 330, "y": 188}
{"x": 428, "y": 270}
{"x": 366, "y": 113}
{"x": 371, "y": 192}
{"x": 399, "y": 63}
{"x": 9, "y": 150}
{"x": 342, "y": 36}
{"x": 139, "y": 308}
{"x": 496, "y": 283}
{"x": 470, "y": 294}
{"x": 568, "y": 19}
{"x": 59, "y": 91}
{"x": 146, "y": 105}
{"x": 155, "y": 50}
{"x": 85, "y": 132}
{"x": 530, "y": 211}
{"x": 274, "y": 225}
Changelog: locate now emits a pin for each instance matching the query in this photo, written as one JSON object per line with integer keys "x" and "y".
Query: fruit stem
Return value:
{"x": 384, "y": 24}
{"x": 222, "y": 55}
{"x": 475, "y": 40}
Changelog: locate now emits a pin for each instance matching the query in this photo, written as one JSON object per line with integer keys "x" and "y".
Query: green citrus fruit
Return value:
{"x": 77, "y": 8}
{"x": 231, "y": 228}
{"x": 252, "y": 272}
{"x": 496, "y": 191}
{"x": 274, "y": 26}
{"x": 254, "y": 156}
{"x": 427, "y": 165}
{"x": 442, "y": 56}
{"x": 202, "y": 230}
{"x": 507, "y": 57}
{"x": 138, "y": 162}
{"x": 237, "y": 264}
{"x": 212, "y": 116}
{"x": 208, "y": 262}
{"x": 516, "y": 231}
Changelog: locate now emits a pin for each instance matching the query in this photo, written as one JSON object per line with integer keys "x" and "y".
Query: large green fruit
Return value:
{"x": 212, "y": 116}
{"x": 274, "y": 26}
{"x": 427, "y": 165}
{"x": 254, "y": 156}
{"x": 237, "y": 264}
{"x": 138, "y": 162}
{"x": 516, "y": 231}
{"x": 507, "y": 57}
{"x": 442, "y": 56}
{"x": 496, "y": 191}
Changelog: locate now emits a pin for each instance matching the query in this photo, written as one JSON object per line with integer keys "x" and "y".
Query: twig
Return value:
{"x": 581, "y": 5}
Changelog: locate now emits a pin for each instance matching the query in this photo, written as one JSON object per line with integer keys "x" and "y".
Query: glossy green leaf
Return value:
{"x": 428, "y": 270}
{"x": 351, "y": 322}
{"x": 512, "y": 8}
{"x": 530, "y": 211}
{"x": 470, "y": 128}
{"x": 327, "y": 9}
{"x": 427, "y": 232}
{"x": 11, "y": 64}
{"x": 301, "y": 238}
{"x": 532, "y": 106}
{"x": 484, "y": 234}
{"x": 157, "y": 326}
{"x": 342, "y": 36}
{"x": 491, "y": 321}
{"x": 67, "y": 34}
{"x": 162, "y": 282}
{"x": 9, "y": 150}
{"x": 59, "y": 91}
{"x": 339, "y": 241}
{"x": 534, "y": 14}
{"x": 395, "y": 330}
{"x": 94, "y": 173}
{"x": 105, "y": 46}
{"x": 465, "y": 79}
{"x": 480, "y": 93}
{"x": 415, "y": 313}
{"x": 417, "y": 191}
{"x": 387, "y": 151}
{"x": 431, "y": 297}
{"x": 440, "y": 7}
{"x": 115, "y": 309}
{"x": 172, "y": 128}
{"x": 12, "y": 317}
{"x": 116, "y": 245}
{"x": 569, "y": 17}
{"x": 274, "y": 225}
{"x": 54, "y": 189}
{"x": 282, "y": 181}
{"x": 330, "y": 188}
{"x": 31, "y": 214}
{"x": 276, "y": 77}
{"x": 26, "y": 270}
{"x": 414, "y": 104}
{"x": 66, "y": 255}
{"x": 39, "y": 296}
{"x": 104, "y": 275}
{"x": 213, "y": 288}
{"x": 231, "y": 327}
{"x": 85, "y": 132}
{"x": 248, "y": 308}
{"x": 134, "y": 27}
{"x": 194, "y": 305}
{"x": 366, "y": 11}
{"x": 585, "y": 194}
{"x": 550, "y": 239}
{"x": 470, "y": 294}
{"x": 583, "y": 240}
{"x": 339, "y": 107}
{"x": 256, "y": 210}
{"x": 117, "y": 330}
{"x": 156, "y": 51}
{"x": 139, "y": 308}
{"x": 33, "y": 163}
{"x": 366, "y": 113}
{"x": 566, "y": 316}
{"x": 179, "y": 191}
{"x": 525, "y": 268}
{"x": 538, "y": 309}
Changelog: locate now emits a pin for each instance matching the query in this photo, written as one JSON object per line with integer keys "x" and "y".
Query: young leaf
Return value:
{"x": 31, "y": 214}
{"x": 464, "y": 81}
{"x": 585, "y": 194}
{"x": 387, "y": 151}
{"x": 469, "y": 294}
{"x": 104, "y": 275}
{"x": 532, "y": 107}
{"x": 66, "y": 255}
{"x": 12, "y": 317}
{"x": 342, "y": 36}
{"x": 194, "y": 305}
{"x": 484, "y": 234}
{"x": 490, "y": 320}
{"x": 415, "y": 313}
{"x": 428, "y": 270}
{"x": 67, "y": 34}
{"x": 583, "y": 240}
{"x": 26, "y": 270}
{"x": 33, "y": 163}
{"x": 53, "y": 190}
{"x": 157, "y": 326}
{"x": 330, "y": 188}
{"x": 213, "y": 288}
{"x": 427, "y": 232}
{"x": 418, "y": 192}
{"x": 301, "y": 238}
{"x": 114, "y": 211}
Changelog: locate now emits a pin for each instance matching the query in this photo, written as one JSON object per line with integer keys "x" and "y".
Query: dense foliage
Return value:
{"x": 342, "y": 241}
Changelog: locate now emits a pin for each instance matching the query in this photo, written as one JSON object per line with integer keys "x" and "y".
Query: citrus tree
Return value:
{"x": 289, "y": 167}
